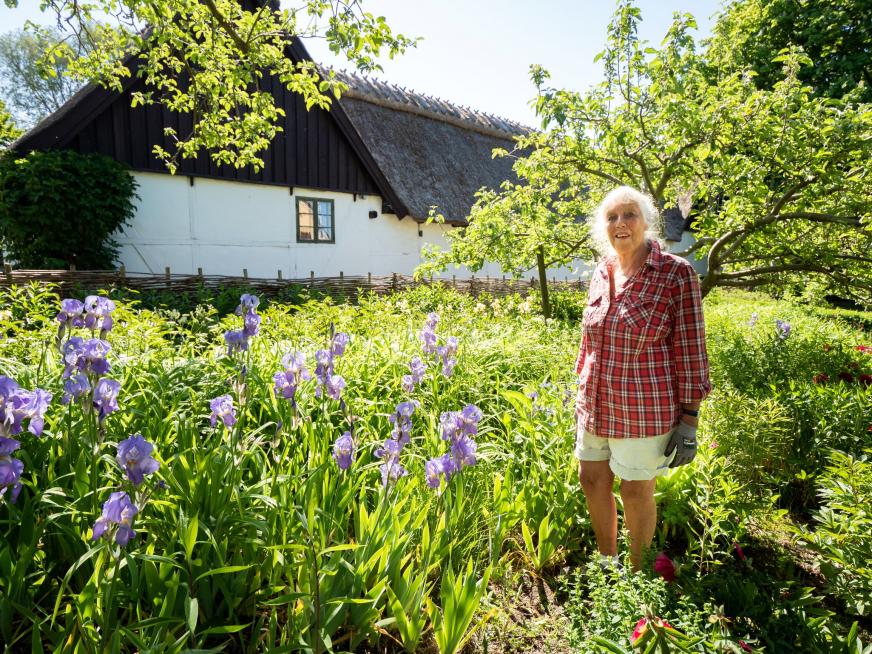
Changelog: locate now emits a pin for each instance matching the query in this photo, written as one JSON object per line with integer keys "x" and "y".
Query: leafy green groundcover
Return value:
{"x": 251, "y": 537}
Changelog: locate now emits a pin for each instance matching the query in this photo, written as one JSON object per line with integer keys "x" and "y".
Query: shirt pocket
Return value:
{"x": 645, "y": 319}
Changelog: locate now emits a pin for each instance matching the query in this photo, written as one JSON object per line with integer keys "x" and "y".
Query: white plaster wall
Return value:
{"x": 225, "y": 226}
{"x": 688, "y": 239}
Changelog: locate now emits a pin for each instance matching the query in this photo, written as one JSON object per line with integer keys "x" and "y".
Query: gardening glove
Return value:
{"x": 683, "y": 442}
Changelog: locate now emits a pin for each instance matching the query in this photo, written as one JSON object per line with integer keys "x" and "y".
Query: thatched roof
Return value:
{"x": 433, "y": 153}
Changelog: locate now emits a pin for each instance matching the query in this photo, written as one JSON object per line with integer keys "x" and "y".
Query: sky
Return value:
{"x": 477, "y": 53}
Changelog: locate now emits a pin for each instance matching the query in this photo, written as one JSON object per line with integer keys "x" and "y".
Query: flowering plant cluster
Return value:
{"x": 401, "y": 435}
{"x": 116, "y": 522}
{"x": 286, "y": 381}
{"x": 86, "y": 360}
{"x": 237, "y": 339}
{"x": 782, "y": 328}
{"x": 16, "y": 406}
{"x": 430, "y": 347}
{"x": 458, "y": 428}
{"x": 325, "y": 376}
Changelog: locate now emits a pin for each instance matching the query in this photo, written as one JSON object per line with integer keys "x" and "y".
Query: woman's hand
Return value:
{"x": 683, "y": 442}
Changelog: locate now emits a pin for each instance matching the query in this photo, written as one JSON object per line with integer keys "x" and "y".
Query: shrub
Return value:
{"x": 59, "y": 208}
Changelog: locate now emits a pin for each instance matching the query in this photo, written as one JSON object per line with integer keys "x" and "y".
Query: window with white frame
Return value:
{"x": 315, "y": 221}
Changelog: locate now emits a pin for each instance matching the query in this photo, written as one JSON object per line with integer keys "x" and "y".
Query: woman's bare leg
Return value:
{"x": 640, "y": 516}
{"x": 596, "y": 481}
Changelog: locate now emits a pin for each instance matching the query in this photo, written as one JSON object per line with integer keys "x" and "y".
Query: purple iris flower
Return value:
{"x": 75, "y": 388}
{"x": 753, "y": 320}
{"x": 428, "y": 340}
{"x": 296, "y": 363}
{"x": 73, "y": 352}
{"x": 34, "y": 406}
{"x": 18, "y": 405}
{"x": 71, "y": 313}
{"x": 783, "y": 328}
{"x": 222, "y": 408}
{"x": 449, "y": 467}
{"x": 337, "y": 347}
{"x": 433, "y": 472}
{"x": 432, "y": 320}
{"x": 10, "y": 469}
{"x": 247, "y": 303}
{"x": 97, "y": 313}
{"x": 251, "y": 324}
{"x": 448, "y": 366}
{"x": 463, "y": 452}
{"x": 134, "y": 456}
{"x": 236, "y": 341}
{"x": 284, "y": 385}
{"x": 344, "y": 451}
{"x": 106, "y": 397}
{"x": 118, "y": 512}
{"x": 469, "y": 419}
{"x": 334, "y": 386}
{"x": 449, "y": 421}
{"x": 408, "y": 383}
{"x": 94, "y": 351}
{"x": 391, "y": 470}
{"x": 418, "y": 368}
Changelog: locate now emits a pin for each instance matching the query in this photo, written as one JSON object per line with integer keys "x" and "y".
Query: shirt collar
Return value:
{"x": 654, "y": 259}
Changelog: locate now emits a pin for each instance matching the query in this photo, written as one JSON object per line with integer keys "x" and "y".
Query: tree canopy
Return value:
{"x": 31, "y": 90}
{"x": 834, "y": 34}
{"x": 8, "y": 130}
{"x": 210, "y": 58}
{"x": 775, "y": 181}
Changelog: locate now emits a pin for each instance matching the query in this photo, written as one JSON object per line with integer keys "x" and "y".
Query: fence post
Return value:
{"x": 7, "y": 270}
{"x": 280, "y": 274}
{"x": 454, "y": 281}
{"x": 167, "y": 276}
{"x": 394, "y": 282}
{"x": 72, "y": 267}
{"x": 311, "y": 279}
{"x": 122, "y": 273}
{"x": 472, "y": 286}
{"x": 369, "y": 281}
{"x": 200, "y": 273}
{"x": 245, "y": 274}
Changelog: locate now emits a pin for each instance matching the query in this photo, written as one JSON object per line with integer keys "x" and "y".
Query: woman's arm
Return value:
{"x": 689, "y": 351}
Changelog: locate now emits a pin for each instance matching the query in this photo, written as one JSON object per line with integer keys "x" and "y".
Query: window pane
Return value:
{"x": 305, "y": 221}
{"x": 325, "y": 221}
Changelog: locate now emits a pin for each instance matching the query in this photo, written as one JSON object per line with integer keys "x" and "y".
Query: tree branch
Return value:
{"x": 227, "y": 25}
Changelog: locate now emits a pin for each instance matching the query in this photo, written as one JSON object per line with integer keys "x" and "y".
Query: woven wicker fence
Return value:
{"x": 349, "y": 286}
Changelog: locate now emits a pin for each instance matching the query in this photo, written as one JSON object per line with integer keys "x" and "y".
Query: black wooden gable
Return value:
{"x": 317, "y": 149}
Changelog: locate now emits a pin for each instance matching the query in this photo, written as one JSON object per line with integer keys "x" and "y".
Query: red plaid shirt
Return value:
{"x": 643, "y": 353}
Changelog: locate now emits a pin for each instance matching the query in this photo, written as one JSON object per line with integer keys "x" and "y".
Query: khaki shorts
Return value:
{"x": 634, "y": 459}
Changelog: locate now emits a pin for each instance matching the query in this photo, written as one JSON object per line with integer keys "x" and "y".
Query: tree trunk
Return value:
{"x": 543, "y": 282}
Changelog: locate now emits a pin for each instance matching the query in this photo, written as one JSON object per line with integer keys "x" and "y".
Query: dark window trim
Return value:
{"x": 315, "y": 226}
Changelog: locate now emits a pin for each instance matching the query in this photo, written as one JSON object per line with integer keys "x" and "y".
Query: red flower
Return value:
{"x": 745, "y": 646}
{"x": 639, "y": 631}
{"x": 846, "y": 376}
{"x": 739, "y": 551}
{"x": 664, "y": 566}
{"x": 821, "y": 378}
{"x": 865, "y": 349}
{"x": 866, "y": 380}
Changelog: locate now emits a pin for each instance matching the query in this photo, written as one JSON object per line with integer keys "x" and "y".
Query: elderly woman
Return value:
{"x": 643, "y": 371}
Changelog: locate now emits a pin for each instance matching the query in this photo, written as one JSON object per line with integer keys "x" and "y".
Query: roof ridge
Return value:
{"x": 370, "y": 88}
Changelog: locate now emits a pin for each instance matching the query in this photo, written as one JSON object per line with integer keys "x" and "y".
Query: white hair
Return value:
{"x": 624, "y": 195}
